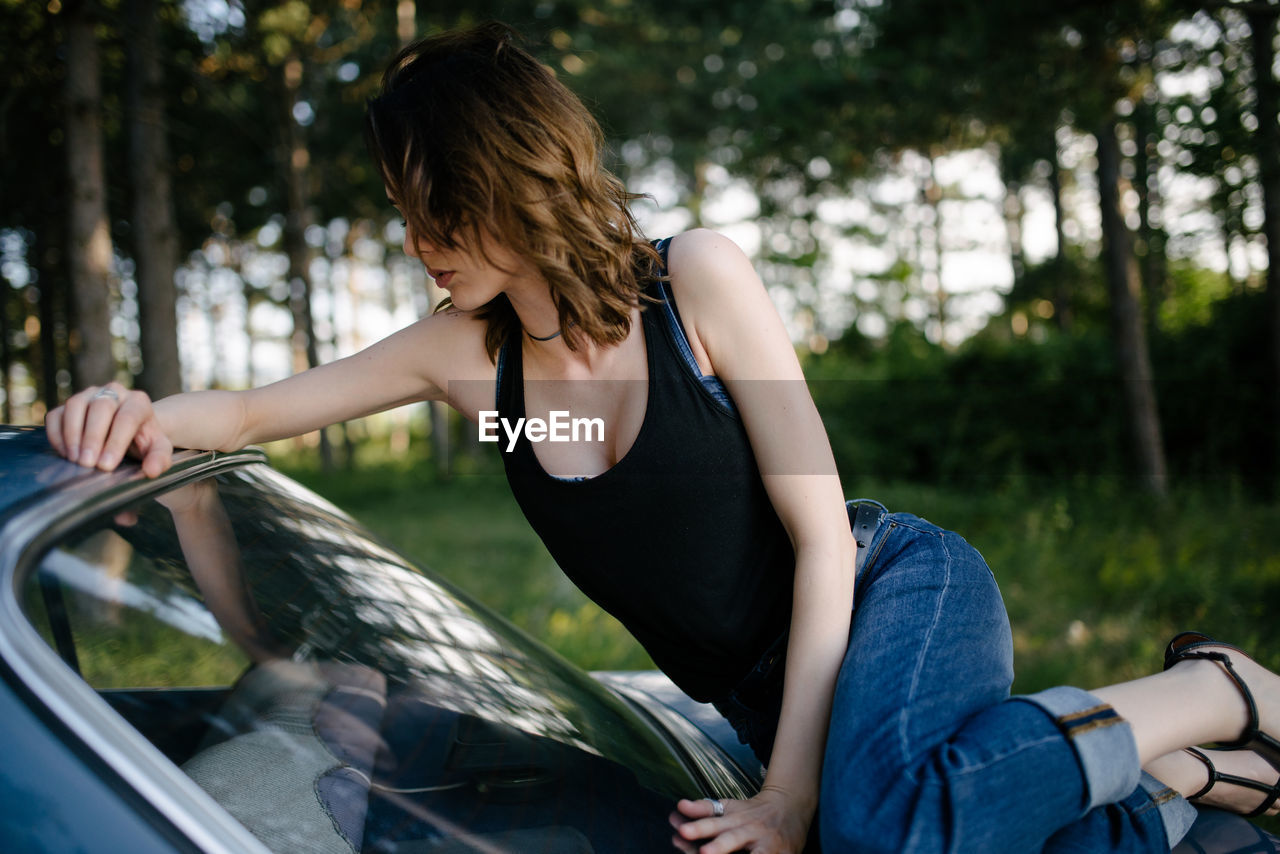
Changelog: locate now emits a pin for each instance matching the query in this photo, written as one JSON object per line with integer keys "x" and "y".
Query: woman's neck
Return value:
{"x": 531, "y": 300}
{"x": 551, "y": 358}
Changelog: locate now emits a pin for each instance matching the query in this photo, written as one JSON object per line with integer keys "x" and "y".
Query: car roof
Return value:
{"x": 30, "y": 469}
{"x": 29, "y": 466}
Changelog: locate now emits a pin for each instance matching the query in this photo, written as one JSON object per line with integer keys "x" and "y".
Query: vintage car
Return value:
{"x": 217, "y": 660}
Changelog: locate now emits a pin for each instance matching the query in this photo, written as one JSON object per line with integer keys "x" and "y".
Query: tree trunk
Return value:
{"x": 250, "y": 333}
{"x": 154, "y": 229}
{"x": 931, "y": 274}
{"x": 50, "y": 261}
{"x": 297, "y": 162}
{"x": 1061, "y": 292}
{"x": 406, "y": 21}
{"x": 1262, "y": 23}
{"x": 1012, "y": 209}
{"x": 7, "y": 295}
{"x": 42, "y": 353}
{"x": 1147, "y": 185}
{"x": 437, "y": 411}
{"x": 90, "y": 234}
{"x": 1228, "y": 240}
{"x": 1128, "y": 336}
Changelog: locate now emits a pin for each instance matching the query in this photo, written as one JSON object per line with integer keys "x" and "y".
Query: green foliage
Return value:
{"x": 1049, "y": 404}
{"x": 917, "y": 411}
{"x": 1096, "y": 576}
{"x": 1193, "y": 296}
{"x": 1217, "y": 395}
{"x": 1070, "y": 278}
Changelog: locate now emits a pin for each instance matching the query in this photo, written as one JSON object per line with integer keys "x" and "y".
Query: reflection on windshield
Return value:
{"x": 369, "y": 708}
{"x": 181, "y": 612}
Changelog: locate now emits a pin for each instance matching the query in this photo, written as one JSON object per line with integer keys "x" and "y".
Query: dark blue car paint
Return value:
{"x": 56, "y": 799}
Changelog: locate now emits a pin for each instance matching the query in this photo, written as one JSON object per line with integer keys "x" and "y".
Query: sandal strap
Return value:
{"x": 1192, "y": 645}
{"x": 1272, "y": 791}
{"x": 1208, "y": 764}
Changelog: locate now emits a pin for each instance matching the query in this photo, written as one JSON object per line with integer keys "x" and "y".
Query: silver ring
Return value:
{"x": 717, "y": 807}
{"x": 106, "y": 391}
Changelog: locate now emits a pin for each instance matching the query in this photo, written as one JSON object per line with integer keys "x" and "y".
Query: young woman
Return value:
{"x": 708, "y": 515}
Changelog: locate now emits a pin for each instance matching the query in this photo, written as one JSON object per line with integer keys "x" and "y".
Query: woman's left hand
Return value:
{"x": 768, "y": 823}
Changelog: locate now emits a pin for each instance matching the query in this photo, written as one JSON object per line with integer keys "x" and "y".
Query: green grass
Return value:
{"x": 1096, "y": 576}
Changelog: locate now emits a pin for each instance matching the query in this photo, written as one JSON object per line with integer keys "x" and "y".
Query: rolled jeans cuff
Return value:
{"x": 1176, "y": 813}
{"x": 1102, "y": 741}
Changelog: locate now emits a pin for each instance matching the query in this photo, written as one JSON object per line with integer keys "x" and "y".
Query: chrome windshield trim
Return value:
{"x": 689, "y": 744}
{"x": 23, "y": 538}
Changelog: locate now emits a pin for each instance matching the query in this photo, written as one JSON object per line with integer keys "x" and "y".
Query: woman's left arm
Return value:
{"x": 741, "y": 338}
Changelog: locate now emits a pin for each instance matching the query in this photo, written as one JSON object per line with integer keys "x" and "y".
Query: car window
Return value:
{"x": 133, "y": 621}
{"x": 333, "y": 697}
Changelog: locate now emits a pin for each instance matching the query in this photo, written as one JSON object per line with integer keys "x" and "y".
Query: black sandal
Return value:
{"x": 1272, "y": 792}
{"x": 1186, "y": 646}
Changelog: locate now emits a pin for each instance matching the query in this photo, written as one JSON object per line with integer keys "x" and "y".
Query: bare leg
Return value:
{"x": 1192, "y": 703}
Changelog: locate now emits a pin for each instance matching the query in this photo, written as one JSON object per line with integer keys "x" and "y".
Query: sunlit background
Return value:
{"x": 1022, "y": 250}
{"x": 1052, "y": 223}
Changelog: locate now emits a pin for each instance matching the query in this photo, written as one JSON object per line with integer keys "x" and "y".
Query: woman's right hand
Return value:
{"x": 96, "y": 427}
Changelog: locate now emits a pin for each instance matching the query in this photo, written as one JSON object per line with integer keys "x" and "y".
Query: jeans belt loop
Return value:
{"x": 865, "y": 522}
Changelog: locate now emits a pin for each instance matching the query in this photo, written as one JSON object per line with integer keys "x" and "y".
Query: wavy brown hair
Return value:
{"x": 472, "y": 134}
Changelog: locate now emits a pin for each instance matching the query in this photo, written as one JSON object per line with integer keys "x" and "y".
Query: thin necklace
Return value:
{"x": 555, "y": 334}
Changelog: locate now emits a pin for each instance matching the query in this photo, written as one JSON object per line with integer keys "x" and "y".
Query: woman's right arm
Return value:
{"x": 97, "y": 429}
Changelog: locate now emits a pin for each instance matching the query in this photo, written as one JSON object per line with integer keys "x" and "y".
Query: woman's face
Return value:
{"x": 472, "y": 275}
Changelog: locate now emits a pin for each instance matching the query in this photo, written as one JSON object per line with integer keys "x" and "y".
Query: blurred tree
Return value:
{"x": 278, "y": 65}
{"x": 797, "y": 101}
{"x": 1208, "y": 135}
{"x": 1262, "y": 26}
{"x": 1128, "y": 334}
{"x": 1152, "y": 239}
{"x": 765, "y": 98}
{"x": 153, "y": 227}
{"x": 90, "y": 247}
{"x": 1230, "y": 135}
{"x": 955, "y": 63}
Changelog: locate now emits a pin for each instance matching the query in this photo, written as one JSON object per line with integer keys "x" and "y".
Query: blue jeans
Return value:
{"x": 927, "y": 752}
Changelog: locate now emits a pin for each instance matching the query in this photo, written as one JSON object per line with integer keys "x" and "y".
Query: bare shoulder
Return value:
{"x": 723, "y": 304}
{"x": 702, "y": 260}
{"x": 451, "y": 345}
{"x": 455, "y": 334}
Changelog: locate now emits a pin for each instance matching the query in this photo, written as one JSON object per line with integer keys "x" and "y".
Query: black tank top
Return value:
{"x": 678, "y": 540}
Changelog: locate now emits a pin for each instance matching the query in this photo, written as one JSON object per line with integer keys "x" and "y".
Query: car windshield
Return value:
{"x": 331, "y": 696}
